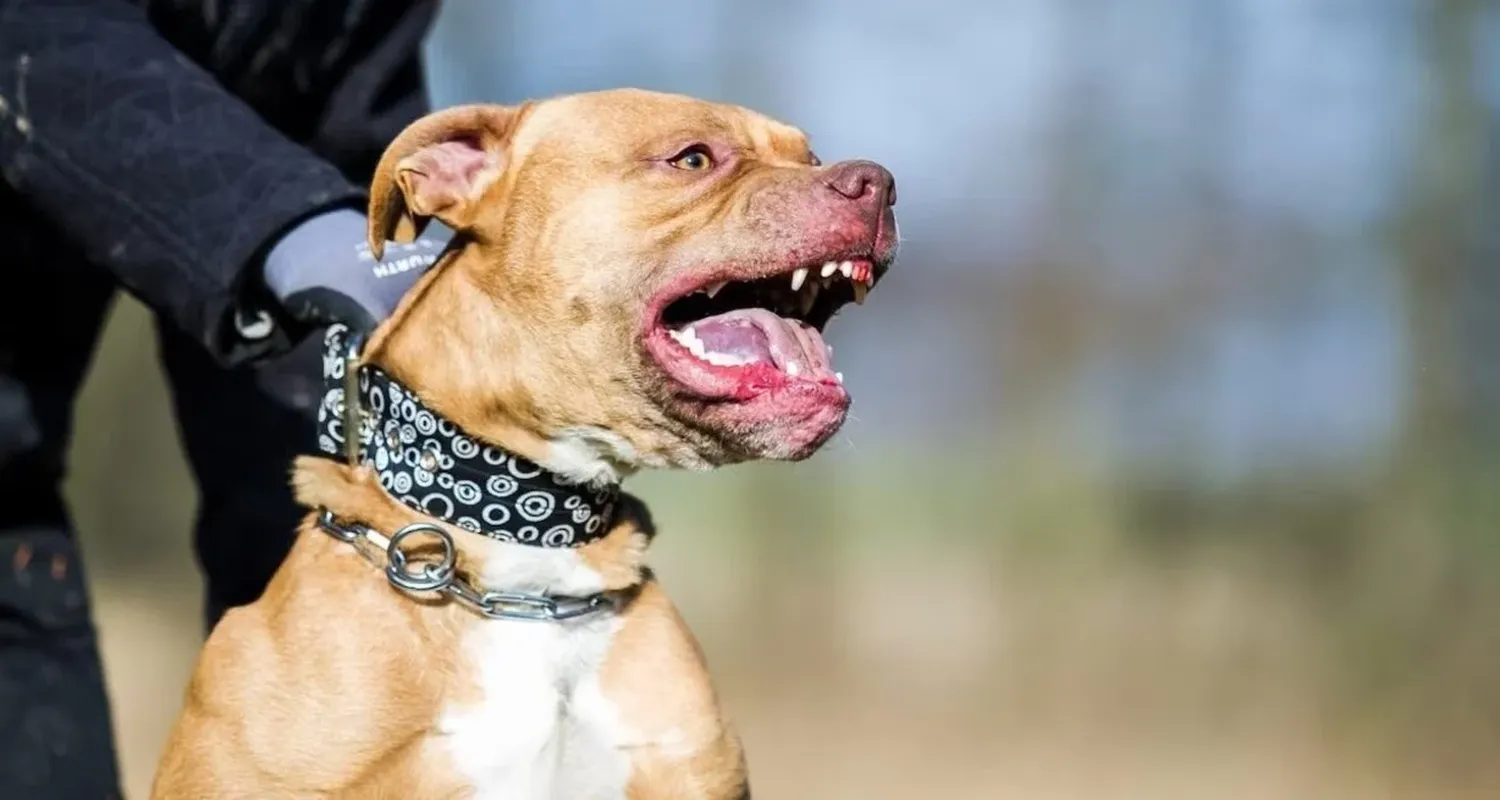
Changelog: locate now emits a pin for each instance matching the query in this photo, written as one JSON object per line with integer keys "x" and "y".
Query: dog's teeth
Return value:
{"x": 860, "y": 290}
{"x": 792, "y": 369}
{"x": 724, "y": 360}
{"x": 687, "y": 338}
{"x": 798, "y": 278}
{"x": 715, "y": 289}
{"x": 847, "y": 267}
{"x": 840, "y": 376}
{"x": 830, "y": 268}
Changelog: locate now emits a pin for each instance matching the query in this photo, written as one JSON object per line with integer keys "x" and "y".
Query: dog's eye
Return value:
{"x": 694, "y": 159}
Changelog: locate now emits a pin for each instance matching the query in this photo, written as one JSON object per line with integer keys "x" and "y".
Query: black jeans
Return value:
{"x": 55, "y": 739}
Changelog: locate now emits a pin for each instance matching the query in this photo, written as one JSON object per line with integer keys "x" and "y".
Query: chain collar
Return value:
{"x": 415, "y": 576}
{"x": 433, "y": 467}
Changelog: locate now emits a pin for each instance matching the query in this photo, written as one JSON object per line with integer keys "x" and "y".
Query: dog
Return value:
{"x": 637, "y": 280}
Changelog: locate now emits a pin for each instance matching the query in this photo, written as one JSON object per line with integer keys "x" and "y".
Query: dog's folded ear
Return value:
{"x": 439, "y": 167}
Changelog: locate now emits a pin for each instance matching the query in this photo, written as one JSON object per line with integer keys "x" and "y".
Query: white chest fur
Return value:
{"x": 542, "y": 729}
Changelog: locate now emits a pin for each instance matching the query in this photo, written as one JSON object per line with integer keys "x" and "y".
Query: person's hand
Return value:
{"x": 323, "y": 271}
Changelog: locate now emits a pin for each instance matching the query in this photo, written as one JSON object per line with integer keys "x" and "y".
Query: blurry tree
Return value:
{"x": 1437, "y": 237}
{"x": 1482, "y": 273}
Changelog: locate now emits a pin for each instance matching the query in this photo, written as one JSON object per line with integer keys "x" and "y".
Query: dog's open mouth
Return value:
{"x": 743, "y": 336}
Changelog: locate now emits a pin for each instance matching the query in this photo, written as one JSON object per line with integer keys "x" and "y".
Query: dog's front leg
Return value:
{"x": 654, "y": 698}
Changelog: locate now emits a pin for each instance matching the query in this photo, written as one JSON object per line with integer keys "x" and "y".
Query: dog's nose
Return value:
{"x": 862, "y": 180}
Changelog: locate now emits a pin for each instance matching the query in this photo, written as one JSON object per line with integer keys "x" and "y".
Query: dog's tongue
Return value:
{"x": 757, "y": 335}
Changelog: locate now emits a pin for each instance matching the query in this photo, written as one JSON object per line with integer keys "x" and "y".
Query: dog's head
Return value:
{"x": 640, "y": 277}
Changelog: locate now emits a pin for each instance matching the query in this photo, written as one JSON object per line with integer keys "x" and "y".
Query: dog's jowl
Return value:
{"x": 638, "y": 280}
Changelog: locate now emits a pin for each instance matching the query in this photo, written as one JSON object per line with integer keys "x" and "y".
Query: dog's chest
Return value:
{"x": 541, "y": 728}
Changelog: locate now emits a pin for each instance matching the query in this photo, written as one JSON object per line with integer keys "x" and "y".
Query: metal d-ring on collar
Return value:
{"x": 415, "y": 577}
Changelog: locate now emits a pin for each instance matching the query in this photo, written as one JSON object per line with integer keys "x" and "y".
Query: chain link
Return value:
{"x": 422, "y": 575}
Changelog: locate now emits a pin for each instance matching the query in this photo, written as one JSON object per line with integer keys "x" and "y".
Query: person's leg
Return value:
{"x": 55, "y": 736}
{"x": 240, "y": 443}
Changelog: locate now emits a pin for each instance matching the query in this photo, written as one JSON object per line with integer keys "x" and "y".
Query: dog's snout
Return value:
{"x": 862, "y": 180}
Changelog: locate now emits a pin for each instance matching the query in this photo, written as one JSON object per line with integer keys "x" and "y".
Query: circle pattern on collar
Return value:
{"x": 429, "y": 464}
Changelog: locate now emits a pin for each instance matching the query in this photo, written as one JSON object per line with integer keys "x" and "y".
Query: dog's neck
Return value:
{"x": 432, "y": 465}
{"x": 440, "y": 325}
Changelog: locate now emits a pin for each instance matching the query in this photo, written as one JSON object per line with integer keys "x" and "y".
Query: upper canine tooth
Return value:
{"x": 715, "y": 289}
{"x": 860, "y": 290}
{"x": 798, "y": 278}
{"x": 830, "y": 268}
{"x": 847, "y": 267}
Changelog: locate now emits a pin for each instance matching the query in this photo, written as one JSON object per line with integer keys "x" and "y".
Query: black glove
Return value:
{"x": 323, "y": 271}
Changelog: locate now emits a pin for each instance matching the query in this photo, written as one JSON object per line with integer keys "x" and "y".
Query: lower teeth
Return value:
{"x": 686, "y": 338}
{"x": 722, "y": 359}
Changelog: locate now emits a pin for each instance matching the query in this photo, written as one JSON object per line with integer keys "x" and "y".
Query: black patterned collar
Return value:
{"x": 432, "y": 466}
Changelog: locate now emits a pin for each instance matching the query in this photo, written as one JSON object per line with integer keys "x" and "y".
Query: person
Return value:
{"x": 209, "y": 158}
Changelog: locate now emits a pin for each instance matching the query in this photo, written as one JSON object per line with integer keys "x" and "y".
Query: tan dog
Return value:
{"x": 639, "y": 280}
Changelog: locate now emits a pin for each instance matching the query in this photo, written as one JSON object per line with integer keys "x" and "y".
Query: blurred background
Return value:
{"x": 1174, "y": 470}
